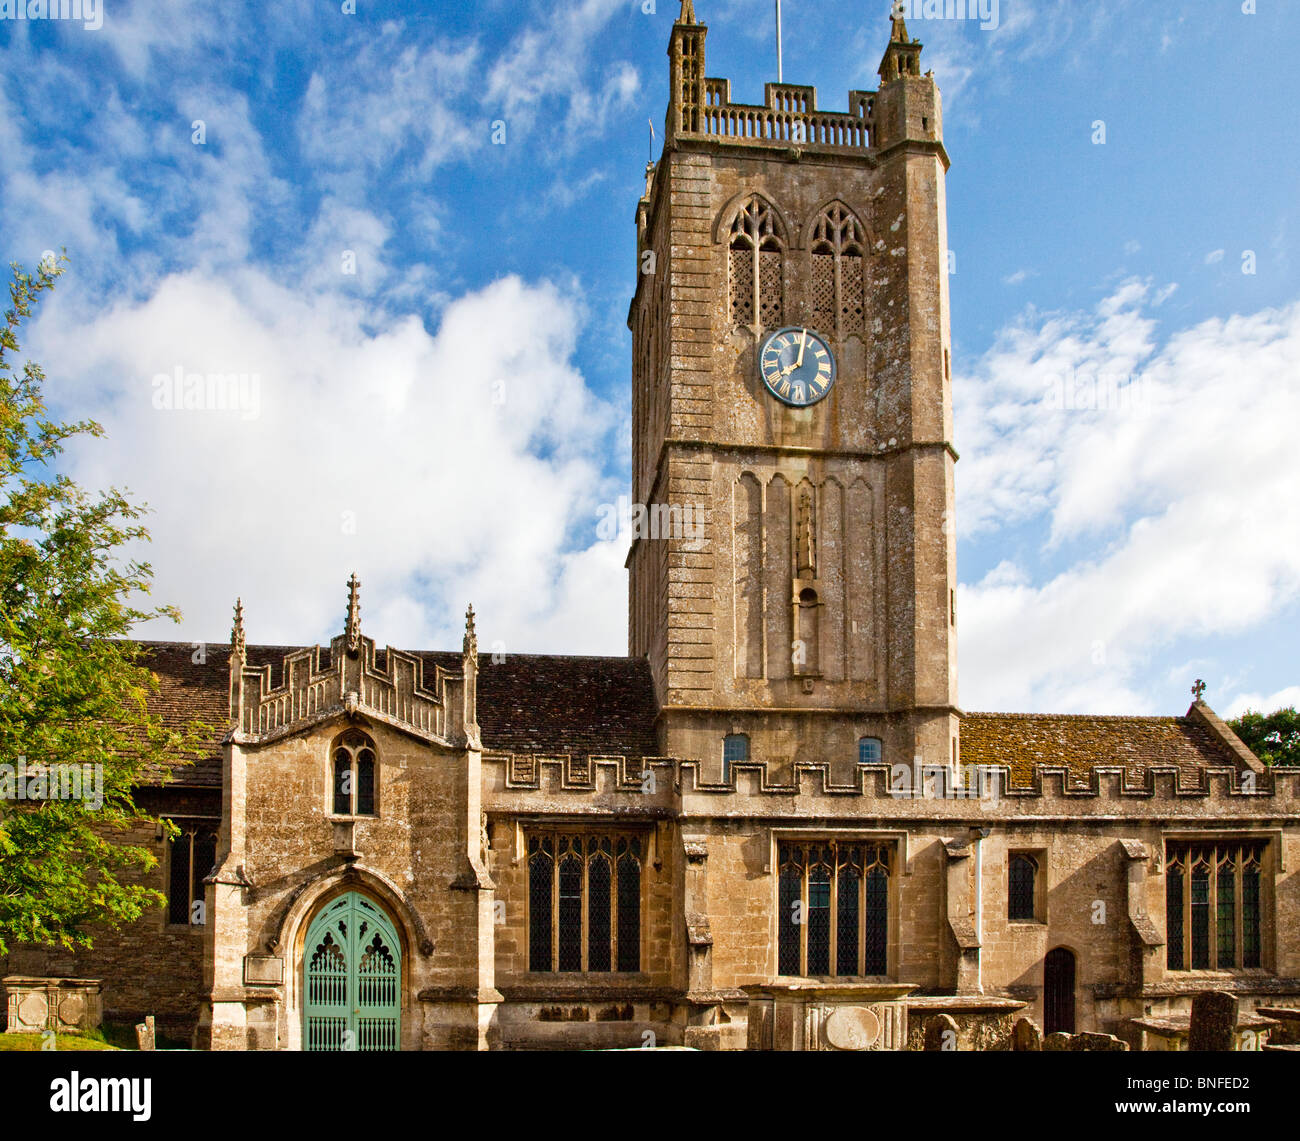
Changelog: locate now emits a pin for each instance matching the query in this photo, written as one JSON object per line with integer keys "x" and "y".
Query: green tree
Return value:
{"x": 1273, "y": 737}
{"x": 73, "y": 691}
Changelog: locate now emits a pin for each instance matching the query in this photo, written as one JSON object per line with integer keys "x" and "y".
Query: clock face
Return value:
{"x": 797, "y": 365}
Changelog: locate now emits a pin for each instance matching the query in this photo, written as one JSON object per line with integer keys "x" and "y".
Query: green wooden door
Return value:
{"x": 352, "y": 978}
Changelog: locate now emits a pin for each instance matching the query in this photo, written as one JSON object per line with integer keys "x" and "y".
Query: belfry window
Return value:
{"x": 584, "y": 902}
{"x": 869, "y": 750}
{"x": 1212, "y": 905}
{"x": 838, "y": 271}
{"x": 833, "y": 909}
{"x": 756, "y": 269}
{"x": 353, "y": 779}
{"x": 192, "y": 855}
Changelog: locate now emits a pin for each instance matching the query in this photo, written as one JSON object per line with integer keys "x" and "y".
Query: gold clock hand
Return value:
{"x": 802, "y": 345}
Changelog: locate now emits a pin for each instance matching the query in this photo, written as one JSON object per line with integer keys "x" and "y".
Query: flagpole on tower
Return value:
{"x": 780, "y": 78}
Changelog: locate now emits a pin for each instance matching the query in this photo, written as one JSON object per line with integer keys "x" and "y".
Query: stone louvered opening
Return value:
{"x": 839, "y": 282}
{"x": 756, "y": 266}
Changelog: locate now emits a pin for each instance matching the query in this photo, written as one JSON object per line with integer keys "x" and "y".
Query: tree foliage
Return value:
{"x": 1273, "y": 737}
{"x": 73, "y": 691}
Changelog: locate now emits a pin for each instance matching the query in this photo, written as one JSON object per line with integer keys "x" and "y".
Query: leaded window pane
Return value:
{"x": 819, "y": 916}
{"x": 365, "y": 783}
{"x": 629, "y": 909}
{"x": 869, "y": 751}
{"x": 1020, "y": 905}
{"x": 1174, "y": 916}
{"x": 342, "y": 782}
{"x": 1250, "y": 916}
{"x": 877, "y": 921}
{"x": 790, "y": 891}
{"x": 598, "y": 913}
{"x": 178, "y": 901}
{"x": 1200, "y": 917}
{"x": 570, "y": 917}
{"x": 540, "y": 870}
{"x": 848, "y": 889}
{"x": 1225, "y": 915}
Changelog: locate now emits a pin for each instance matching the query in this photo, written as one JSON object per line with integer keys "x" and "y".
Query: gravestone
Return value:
{"x": 1056, "y": 1041}
{"x": 144, "y": 1034}
{"x": 941, "y": 1034}
{"x": 1214, "y": 1021}
{"x": 1097, "y": 1042}
{"x": 1025, "y": 1035}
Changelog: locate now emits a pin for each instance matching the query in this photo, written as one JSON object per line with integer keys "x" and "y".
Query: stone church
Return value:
{"x": 772, "y": 825}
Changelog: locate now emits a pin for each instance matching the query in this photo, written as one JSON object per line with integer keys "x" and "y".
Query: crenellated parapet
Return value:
{"x": 574, "y": 783}
{"x": 431, "y": 703}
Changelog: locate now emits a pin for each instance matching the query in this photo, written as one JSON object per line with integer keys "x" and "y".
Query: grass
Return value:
{"x": 35, "y": 1042}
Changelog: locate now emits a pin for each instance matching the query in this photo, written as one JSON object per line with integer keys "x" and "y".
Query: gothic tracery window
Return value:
{"x": 1212, "y": 905}
{"x": 353, "y": 768}
{"x": 756, "y": 269}
{"x": 838, "y": 271}
{"x": 833, "y": 898}
{"x": 584, "y": 902}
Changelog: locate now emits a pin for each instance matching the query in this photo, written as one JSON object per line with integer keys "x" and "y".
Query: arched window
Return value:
{"x": 1020, "y": 902}
{"x": 755, "y": 261}
{"x": 869, "y": 750}
{"x": 838, "y": 271}
{"x": 846, "y": 879}
{"x": 192, "y": 856}
{"x": 735, "y": 747}
{"x": 353, "y": 765}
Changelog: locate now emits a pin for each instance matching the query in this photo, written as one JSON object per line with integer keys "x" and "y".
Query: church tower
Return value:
{"x": 792, "y": 582}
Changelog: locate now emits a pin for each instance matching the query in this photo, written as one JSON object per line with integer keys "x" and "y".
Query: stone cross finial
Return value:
{"x": 471, "y": 636}
{"x": 237, "y": 639}
{"x": 354, "y": 614}
{"x": 688, "y": 12}
{"x": 1198, "y": 690}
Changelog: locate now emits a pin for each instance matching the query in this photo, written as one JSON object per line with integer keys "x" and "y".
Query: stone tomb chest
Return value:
{"x": 36, "y": 1004}
{"x": 828, "y": 1016}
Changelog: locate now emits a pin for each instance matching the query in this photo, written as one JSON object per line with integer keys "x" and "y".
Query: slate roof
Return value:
{"x": 552, "y": 705}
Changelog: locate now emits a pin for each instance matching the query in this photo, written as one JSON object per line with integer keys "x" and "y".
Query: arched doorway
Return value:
{"x": 352, "y": 972}
{"x": 1058, "y": 991}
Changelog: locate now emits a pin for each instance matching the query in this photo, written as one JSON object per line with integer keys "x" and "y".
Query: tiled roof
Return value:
{"x": 527, "y": 703}
{"x": 1084, "y": 742}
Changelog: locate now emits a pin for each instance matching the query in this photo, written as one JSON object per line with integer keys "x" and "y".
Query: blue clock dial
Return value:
{"x": 797, "y": 366}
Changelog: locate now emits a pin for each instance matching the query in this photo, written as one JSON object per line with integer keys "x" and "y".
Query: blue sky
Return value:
{"x": 448, "y": 419}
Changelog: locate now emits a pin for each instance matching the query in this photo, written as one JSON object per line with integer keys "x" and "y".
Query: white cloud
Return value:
{"x": 1283, "y": 699}
{"x": 467, "y": 463}
{"x": 1214, "y": 257}
{"x": 1171, "y": 466}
